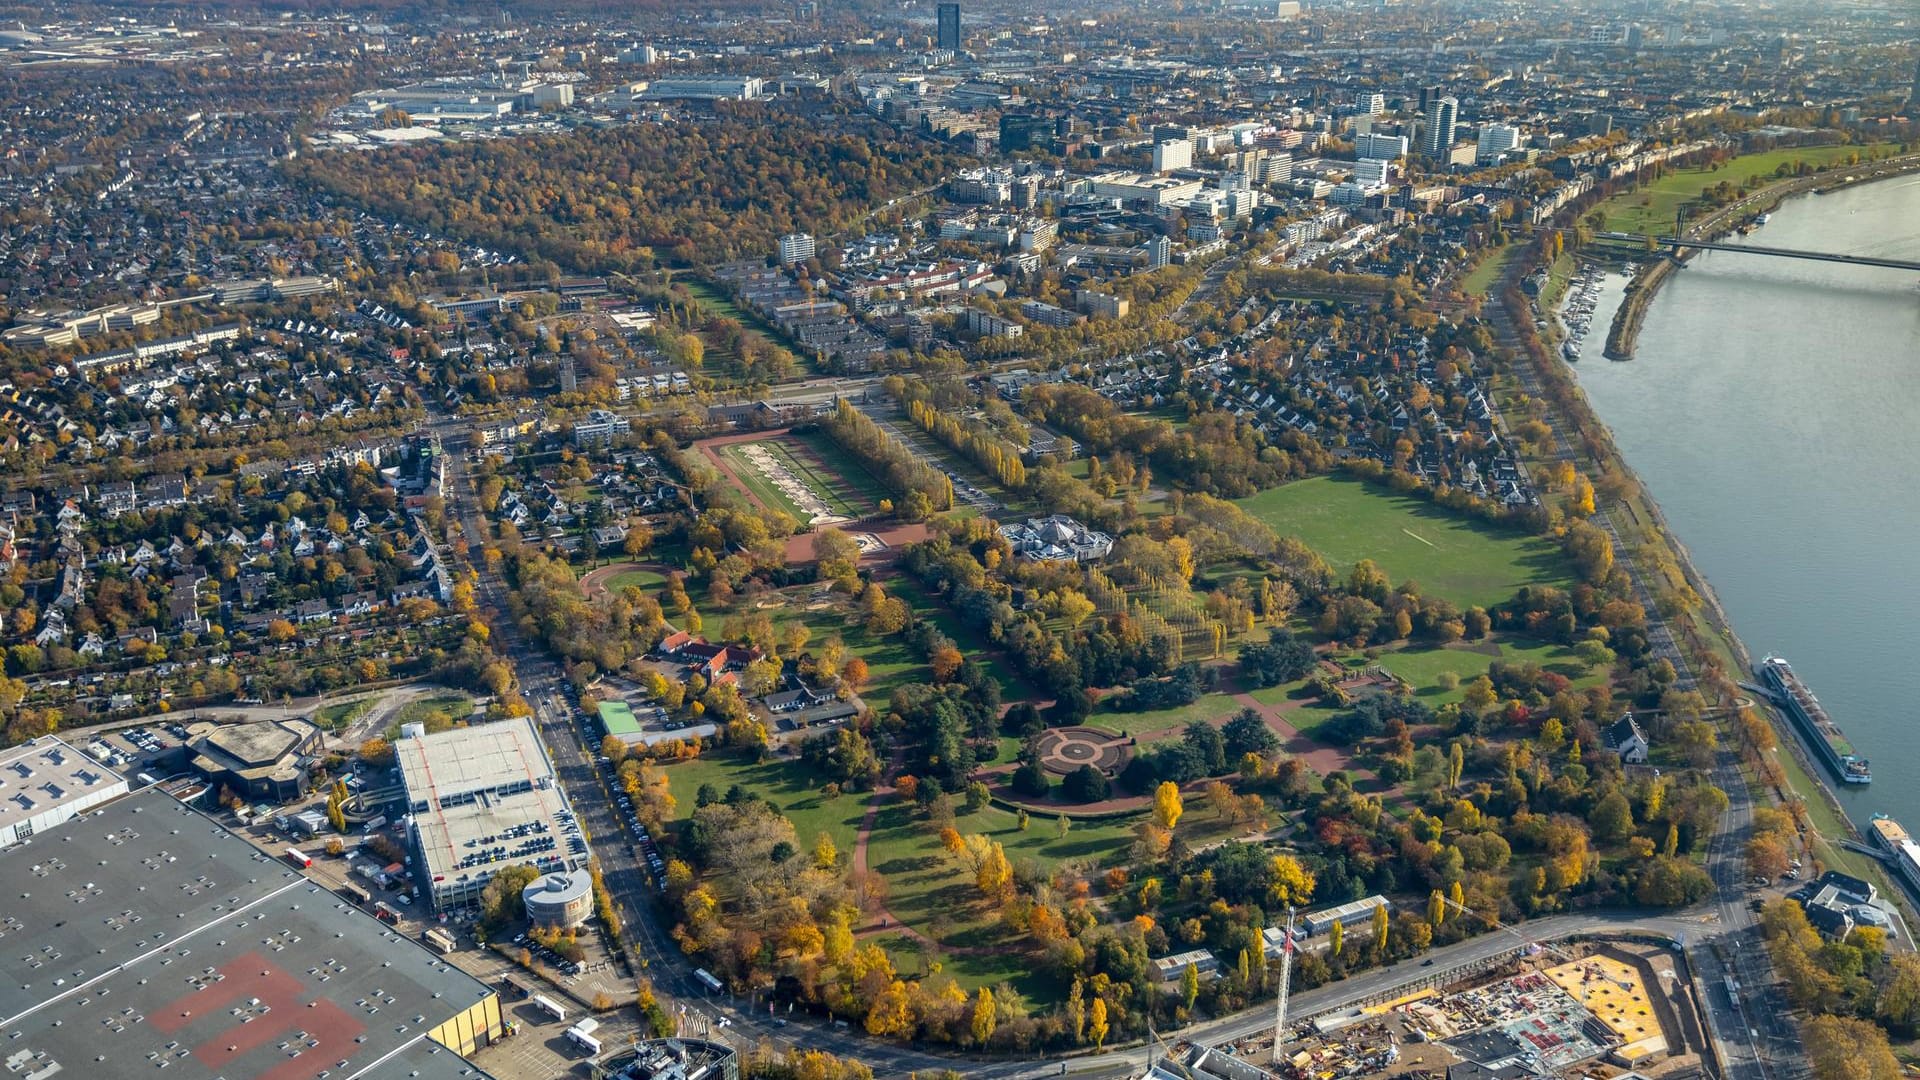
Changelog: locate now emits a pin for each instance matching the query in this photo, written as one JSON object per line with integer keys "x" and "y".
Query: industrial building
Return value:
{"x": 154, "y": 938}
{"x": 265, "y": 761}
{"x": 706, "y": 88}
{"x": 44, "y": 782}
{"x": 563, "y": 898}
{"x": 479, "y": 799}
{"x": 677, "y": 1059}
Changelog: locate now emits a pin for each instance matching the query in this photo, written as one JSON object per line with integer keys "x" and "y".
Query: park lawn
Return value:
{"x": 890, "y": 663}
{"x": 1209, "y": 707}
{"x": 1450, "y": 555}
{"x": 339, "y": 714}
{"x": 972, "y": 642}
{"x": 912, "y": 959}
{"x": 932, "y": 892}
{"x": 647, "y": 581}
{"x": 1422, "y": 666}
{"x": 717, "y": 301}
{"x": 1650, "y": 209}
{"x": 454, "y": 708}
{"x": 1484, "y": 273}
{"x": 855, "y": 482}
{"x": 1308, "y": 720}
{"x": 788, "y": 785}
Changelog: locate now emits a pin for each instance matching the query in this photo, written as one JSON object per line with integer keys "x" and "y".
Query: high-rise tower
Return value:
{"x": 949, "y": 36}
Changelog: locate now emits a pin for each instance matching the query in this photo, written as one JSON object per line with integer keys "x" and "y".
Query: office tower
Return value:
{"x": 1019, "y": 131}
{"x": 949, "y": 27}
{"x": 1495, "y": 141}
{"x": 1172, "y": 154}
{"x": 1159, "y": 252}
{"x": 1443, "y": 113}
{"x": 1427, "y": 96}
{"x": 1379, "y": 147}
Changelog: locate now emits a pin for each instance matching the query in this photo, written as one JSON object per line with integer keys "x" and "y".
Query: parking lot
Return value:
{"x": 134, "y": 750}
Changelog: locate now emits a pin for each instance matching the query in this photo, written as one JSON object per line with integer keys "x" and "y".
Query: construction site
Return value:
{"x": 1591, "y": 1010}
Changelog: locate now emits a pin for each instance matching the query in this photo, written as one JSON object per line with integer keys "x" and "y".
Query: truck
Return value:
{"x": 582, "y": 1035}
{"x": 355, "y": 893}
{"x": 545, "y": 1004}
{"x": 384, "y": 913}
{"x": 299, "y": 858}
{"x": 376, "y": 823}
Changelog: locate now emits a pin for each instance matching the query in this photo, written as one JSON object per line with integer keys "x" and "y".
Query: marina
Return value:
{"x": 1576, "y": 313}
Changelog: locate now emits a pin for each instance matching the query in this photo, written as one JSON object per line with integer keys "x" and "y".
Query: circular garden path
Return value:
{"x": 1064, "y": 749}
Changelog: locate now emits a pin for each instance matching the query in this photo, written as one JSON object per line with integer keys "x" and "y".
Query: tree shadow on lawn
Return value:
{"x": 1070, "y": 848}
{"x": 909, "y": 867}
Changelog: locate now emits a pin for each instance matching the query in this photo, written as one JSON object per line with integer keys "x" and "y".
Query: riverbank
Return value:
{"x": 1767, "y": 384}
{"x": 1624, "y": 332}
{"x": 1687, "y": 624}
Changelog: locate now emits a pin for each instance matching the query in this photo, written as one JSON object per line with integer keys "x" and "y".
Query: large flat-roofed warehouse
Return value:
{"x": 261, "y": 761}
{"x": 44, "y": 782}
{"x": 481, "y": 798}
{"x": 145, "y": 936}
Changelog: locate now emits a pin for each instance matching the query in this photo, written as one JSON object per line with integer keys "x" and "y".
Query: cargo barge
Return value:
{"x": 1819, "y": 731}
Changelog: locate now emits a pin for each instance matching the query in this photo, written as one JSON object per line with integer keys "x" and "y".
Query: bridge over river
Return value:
{"x": 1676, "y": 243}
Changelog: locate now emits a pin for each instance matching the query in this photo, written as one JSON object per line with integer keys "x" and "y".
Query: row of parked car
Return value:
{"x": 656, "y": 866}
{"x": 148, "y": 742}
{"x": 548, "y": 956}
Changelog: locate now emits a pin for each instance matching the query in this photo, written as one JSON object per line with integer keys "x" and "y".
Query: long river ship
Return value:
{"x": 1829, "y": 743}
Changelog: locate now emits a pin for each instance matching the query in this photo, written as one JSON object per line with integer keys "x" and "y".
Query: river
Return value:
{"x": 1773, "y": 410}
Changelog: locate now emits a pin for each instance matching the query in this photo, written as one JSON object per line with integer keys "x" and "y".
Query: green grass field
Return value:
{"x": 438, "y": 712}
{"x": 850, "y": 479}
{"x": 1482, "y": 276}
{"x": 339, "y": 714}
{"x": 932, "y": 892}
{"x": 647, "y": 581}
{"x": 1449, "y": 555}
{"x": 1013, "y": 687}
{"x": 890, "y": 663}
{"x": 789, "y": 786}
{"x": 1651, "y": 208}
{"x": 1213, "y": 706}
{"x": 1422, "y": 666}
{"x": 835, "y": 496}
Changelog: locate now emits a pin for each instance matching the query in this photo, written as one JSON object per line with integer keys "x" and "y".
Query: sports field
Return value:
{"x": 836, "y": 497}
{"x": 1651, "y": 208}
{"x": 1450, "y": 555}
